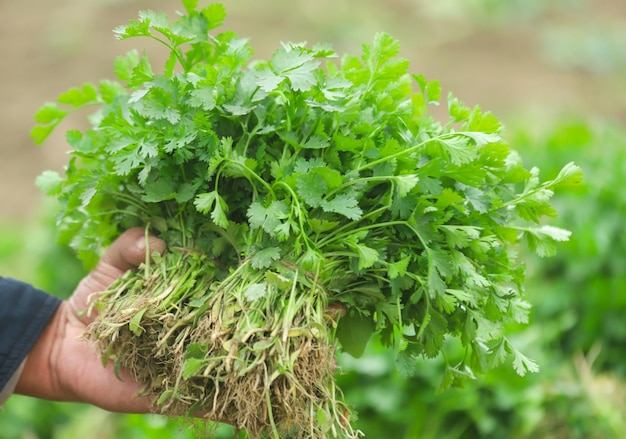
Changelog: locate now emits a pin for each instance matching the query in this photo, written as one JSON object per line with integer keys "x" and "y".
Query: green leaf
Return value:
{"x": 192, "y": 366}
{"x": 125, "y": 65}
{"x": 196, "y": 350}
{"x": 460, "y": 236}
{"x": 406, "y": 363}
{"x": 264, "y": 258}
{"x": 50, "y": 182}
{"x": 542, "y": 240}
{"x": 117, "y": 367}
{"x": 521, "y": 363}
{"x": 317, "y": 142}
{"x": 255, "y": 291}
{"x": 49, "y": 113}
{"x": 126, "y": 161}
{"x": 257, "y": 215}
{"x": 268, "y": 80}
{"x": 436, "y": 286}
{"x": 456, "y": 149}
{"x": 454, "y": 377}
{"x": 484, "y": 124}
{"x": 78, "y": 97}
{"x": 462, "y": 296}
{"x": 432, "y": 331}
{"x": 269, "y": 219}
{"x": 166, "y": 396}
{"x": 322, "y": 226}
{"x": 312, "y": 188}
{"x": 215, "y": 14}
{"x": 571, "y": 176}
{"x": 458, "y": 111}
{"x": 141, "y": 73}
{"x": 215, "y": 203}
{"x": 398, "y": 268}
{"x": 40, "y": 133}
{"x": 135, "y": 323}
{"x": 159, "y": 190}
{"x": 344, "y": 204}
{"x": 520, "y": 310}
{"x": 384, "y": 48}
{"x": 353, "y": 332}
{"x": 295, "y": 64}
{"x": 367, "y": 255}
{"x": 405, "y": 183}
{"x": 109, "y": 90}
{"x": 190, "y": 6}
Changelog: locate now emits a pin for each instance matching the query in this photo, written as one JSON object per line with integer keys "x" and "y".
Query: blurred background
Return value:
{"x": 554, "y": 71}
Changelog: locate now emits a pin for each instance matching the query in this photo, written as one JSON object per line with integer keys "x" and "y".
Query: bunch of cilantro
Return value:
{"x": 283, "y": 187}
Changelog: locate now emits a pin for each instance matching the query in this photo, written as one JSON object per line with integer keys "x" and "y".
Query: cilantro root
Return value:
{"x": 259, "y": 360}
{"x": 283, "y": 187}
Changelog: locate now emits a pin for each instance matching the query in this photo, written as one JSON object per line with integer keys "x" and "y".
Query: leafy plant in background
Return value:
{"x": 492, "y": 12}
{"x": 597, "y": 48}
{"x": 586, "y": 280}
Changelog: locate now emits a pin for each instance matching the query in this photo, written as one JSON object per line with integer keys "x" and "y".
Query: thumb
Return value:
{"x": 128, "y": 251}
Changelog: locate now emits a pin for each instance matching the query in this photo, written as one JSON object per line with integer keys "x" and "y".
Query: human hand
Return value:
{"x": 64, "y": 367}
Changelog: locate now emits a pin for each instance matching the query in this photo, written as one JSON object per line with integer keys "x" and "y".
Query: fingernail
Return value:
{"x": 140, "y": 244}
{"x": 154, "y": 243}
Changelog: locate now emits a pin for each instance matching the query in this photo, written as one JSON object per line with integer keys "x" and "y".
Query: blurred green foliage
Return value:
{"x": 494, "y": 12}
{"x": 586, "y": 282}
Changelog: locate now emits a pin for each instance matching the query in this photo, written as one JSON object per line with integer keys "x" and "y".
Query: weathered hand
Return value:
{"x": 64, "y": 367}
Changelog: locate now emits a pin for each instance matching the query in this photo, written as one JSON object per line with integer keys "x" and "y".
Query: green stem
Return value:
{"x": 300, "y": 212}
{"x": 523, "y": 196}
{"x": 382, "y": 179}
{"x": 365, "y": 228}
{"x": 403, "y": 152}
{"x": 133, "y": 201}
{"x": 174, "y": 50}
{"x": 254, "y": 175}
{"x": 268, "y": 400}
{"x": 349, "y": 225}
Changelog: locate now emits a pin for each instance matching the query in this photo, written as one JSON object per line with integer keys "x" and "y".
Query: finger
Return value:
{"x": 129, "y": 249}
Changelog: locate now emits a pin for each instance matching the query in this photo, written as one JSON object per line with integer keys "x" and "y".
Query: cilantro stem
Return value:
{"x": 300, "y": 212}
{"x": 173, "y": 49}
{"x": 330, "y": 235}
{"x": 268, "y": 400}
{"x": 525, "y": 195}
{"x": 349, "y": 183}
{"x": 369, "y": 138}
{"x": 383, "y": 225}
{"x": 363, "y": 229}
{"x": 133, "y": 201}
{"x": 254, "y": 175}
{"x": 404, "y": 152}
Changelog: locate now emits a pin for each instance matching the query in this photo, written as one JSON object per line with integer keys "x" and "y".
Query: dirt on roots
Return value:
{"x": 200, "y": 346}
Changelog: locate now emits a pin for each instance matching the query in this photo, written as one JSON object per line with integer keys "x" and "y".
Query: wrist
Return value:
{"x": 39, "y": 374}
{"x": 9, "y": 388}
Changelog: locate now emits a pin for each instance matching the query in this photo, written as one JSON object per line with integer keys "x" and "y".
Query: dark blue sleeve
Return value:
{"x": 24, "y": 313}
